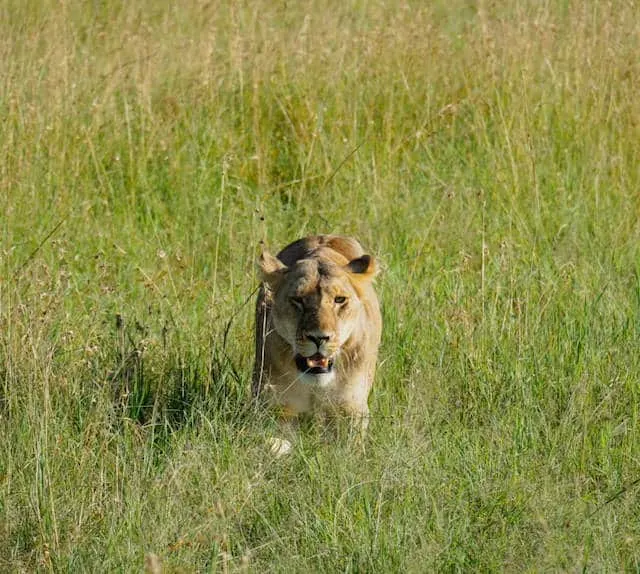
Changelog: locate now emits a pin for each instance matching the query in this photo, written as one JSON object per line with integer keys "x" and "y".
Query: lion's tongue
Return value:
{"x": 317, "y": 361}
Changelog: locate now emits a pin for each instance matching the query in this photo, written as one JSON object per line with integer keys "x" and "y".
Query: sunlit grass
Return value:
{"x": 486, "y": 152}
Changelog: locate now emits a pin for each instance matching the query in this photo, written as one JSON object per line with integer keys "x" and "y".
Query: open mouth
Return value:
{"x": 314, "y": 365}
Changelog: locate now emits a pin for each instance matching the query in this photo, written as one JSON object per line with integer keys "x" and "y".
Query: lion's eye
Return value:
{"x": 296, "y": 302}
{"x": 340, "y": 300}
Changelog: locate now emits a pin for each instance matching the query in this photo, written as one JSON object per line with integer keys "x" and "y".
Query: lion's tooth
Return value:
{"x": 317, "y": 361}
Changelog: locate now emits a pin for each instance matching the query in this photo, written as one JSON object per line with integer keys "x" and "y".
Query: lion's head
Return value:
{"x": 317, "y": 306}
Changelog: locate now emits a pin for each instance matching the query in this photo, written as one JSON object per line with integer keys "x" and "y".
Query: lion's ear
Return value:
{"x": 271, "y": 268}
{"x": 364, "y": 266}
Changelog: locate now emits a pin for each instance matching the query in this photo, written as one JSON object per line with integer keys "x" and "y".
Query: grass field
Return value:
{"x": 487, "y": 152}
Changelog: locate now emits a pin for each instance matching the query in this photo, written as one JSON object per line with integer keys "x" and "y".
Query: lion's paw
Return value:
{"x": 279, "y": 447}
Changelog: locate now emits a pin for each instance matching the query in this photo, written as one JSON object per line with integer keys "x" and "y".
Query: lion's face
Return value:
{"x": 316, "y": 307}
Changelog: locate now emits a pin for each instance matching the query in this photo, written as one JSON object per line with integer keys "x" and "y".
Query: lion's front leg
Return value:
{"x": 353, "y": 404}
{"x": 288, "y": 403}
{"x": 346, "y": 421}
{"x": 358, "y": 424}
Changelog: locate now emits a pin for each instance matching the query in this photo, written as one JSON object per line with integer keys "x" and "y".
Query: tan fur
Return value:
{"x": 299, "y": 312}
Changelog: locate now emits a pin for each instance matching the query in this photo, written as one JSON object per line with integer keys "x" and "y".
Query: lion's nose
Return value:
{"x": 318, "y": 339}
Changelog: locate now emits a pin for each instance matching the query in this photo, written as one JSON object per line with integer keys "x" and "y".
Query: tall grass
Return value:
{"x": 487, "y": 152}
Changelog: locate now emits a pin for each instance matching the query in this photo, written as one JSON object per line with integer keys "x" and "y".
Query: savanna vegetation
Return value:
{"x": 487, "y": 152}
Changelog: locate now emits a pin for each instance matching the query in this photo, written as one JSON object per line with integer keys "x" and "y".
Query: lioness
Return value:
{"x": 318, "y": 328}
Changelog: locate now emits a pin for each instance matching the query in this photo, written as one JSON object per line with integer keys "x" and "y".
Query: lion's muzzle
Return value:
{"x": 314, "y": 365}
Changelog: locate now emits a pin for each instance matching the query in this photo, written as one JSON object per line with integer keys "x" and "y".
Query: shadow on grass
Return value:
{"x": 155, "y": 381}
